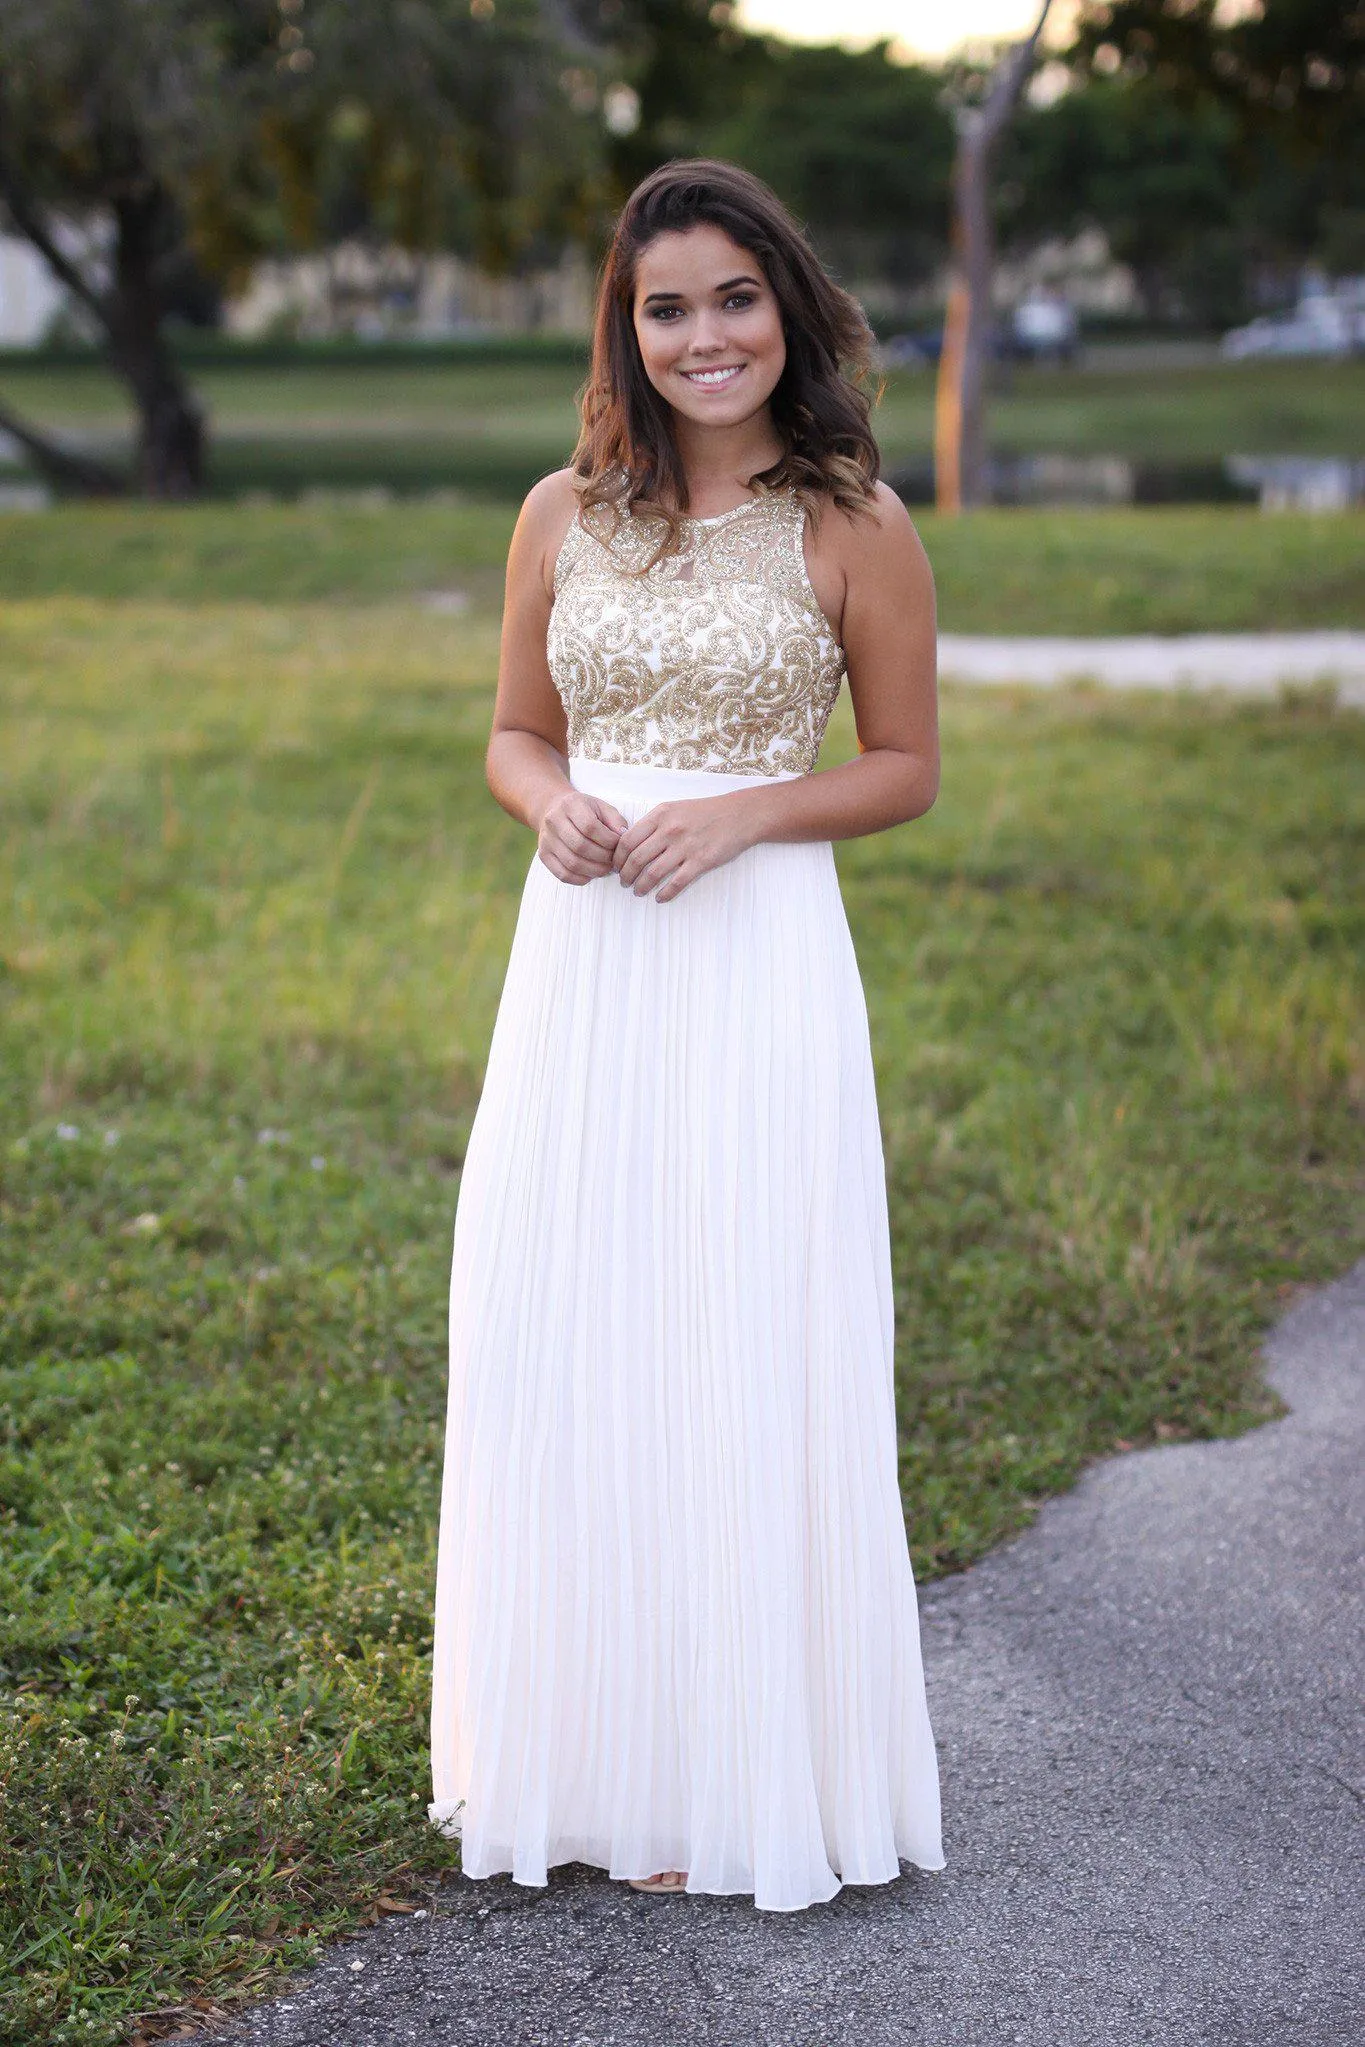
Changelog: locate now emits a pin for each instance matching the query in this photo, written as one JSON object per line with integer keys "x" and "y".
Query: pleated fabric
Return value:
{"x": 675, "y": 1621}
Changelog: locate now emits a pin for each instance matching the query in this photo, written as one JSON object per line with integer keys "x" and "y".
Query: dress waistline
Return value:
{"x": 629, "y": 781}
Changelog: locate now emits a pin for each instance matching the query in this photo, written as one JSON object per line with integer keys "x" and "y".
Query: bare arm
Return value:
{"x": 874, "y": 575}
{"x": 526, "y": 763}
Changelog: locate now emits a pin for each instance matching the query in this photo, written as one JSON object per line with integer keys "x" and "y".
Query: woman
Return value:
{"x": 676, "y": 1631}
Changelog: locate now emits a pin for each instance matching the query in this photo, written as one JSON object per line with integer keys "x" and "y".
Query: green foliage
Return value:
{"x": 262, "y": 127}
{"x": 258, "y": 908}
{"x": 1154, "y": 173}
{"x": 1284, "y": 79}
{"x": 859, "y": 146}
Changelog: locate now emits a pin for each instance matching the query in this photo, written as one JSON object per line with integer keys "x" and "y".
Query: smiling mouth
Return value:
{"x": 713, "y": 380}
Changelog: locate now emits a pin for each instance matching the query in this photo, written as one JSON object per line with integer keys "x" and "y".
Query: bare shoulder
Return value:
{"x": 875, "y": 546}
{"x": 547, "y": 512}
{"x": 879, "y": 531}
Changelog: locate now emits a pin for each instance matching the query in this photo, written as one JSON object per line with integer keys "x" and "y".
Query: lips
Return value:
{"x": 713, "y": 380}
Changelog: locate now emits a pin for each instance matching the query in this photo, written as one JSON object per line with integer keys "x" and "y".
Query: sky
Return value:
{"x": 920, "y": 28}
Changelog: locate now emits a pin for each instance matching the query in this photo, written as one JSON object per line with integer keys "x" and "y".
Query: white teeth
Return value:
{"x": 713, "y": 376}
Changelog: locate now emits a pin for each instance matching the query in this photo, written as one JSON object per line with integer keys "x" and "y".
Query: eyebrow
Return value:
{"x": 728, "y": 285}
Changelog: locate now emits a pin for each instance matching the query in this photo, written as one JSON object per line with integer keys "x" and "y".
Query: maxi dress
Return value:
{"x": 675, "y": 1618}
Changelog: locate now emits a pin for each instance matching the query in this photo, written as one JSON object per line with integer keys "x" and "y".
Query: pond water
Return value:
{"x": 1308, "y": 483}
{"x": 1304, "y": 483}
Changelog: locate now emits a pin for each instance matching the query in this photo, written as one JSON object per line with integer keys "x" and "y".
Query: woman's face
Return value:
{"x": 709, "y": 326}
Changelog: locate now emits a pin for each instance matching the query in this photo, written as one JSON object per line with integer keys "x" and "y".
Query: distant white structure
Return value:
{"x": 1079, "y": 269}
{"x": 377, "y": 292}
{"x": 1329, "y": 320}
{"x": 30, "y": 296}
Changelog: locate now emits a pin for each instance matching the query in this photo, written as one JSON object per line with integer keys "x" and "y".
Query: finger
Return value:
{"x": 680, "y": 879}
{"x": 587, "y": 867}
{"x": 591, "y": 828}
{"x": 639, "y": 855}
{"x": 664, "y": 864}
{"x": 611, "y": 816}
{"x": 591, "y": 840}
{"x": 564, "y": 869}
{"x": 643, "y": 828}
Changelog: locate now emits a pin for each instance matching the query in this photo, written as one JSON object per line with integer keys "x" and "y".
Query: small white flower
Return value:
{"x": 66, "y": 1131}
{"x": 111, "y": 1138}
{"x": 317, "y": 1162}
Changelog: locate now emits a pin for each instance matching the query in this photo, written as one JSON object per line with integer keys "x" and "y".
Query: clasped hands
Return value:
{"x": 583, "y": 838}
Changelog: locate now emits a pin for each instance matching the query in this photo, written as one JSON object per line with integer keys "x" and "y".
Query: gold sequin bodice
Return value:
{"x": 718, "y": 656}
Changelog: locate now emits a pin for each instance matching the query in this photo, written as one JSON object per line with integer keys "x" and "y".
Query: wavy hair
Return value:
{"x": 627, "y": 457}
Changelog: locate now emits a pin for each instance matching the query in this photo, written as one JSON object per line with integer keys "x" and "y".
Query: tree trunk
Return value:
{"x": 960, "y": 467}
{"x": 170, "y": 445}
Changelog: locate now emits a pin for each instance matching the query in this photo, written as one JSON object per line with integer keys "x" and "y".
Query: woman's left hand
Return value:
{"x": 666, "y": 849}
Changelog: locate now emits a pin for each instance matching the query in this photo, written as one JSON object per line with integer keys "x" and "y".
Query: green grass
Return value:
{"x": 259, "y": 904}
{"x": 494, "y": 427}
{"x": 1177, "y": 570}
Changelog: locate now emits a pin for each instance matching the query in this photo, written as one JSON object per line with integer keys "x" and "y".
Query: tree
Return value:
{"x": 1154, "y": 171}
{"x": 142, "y": 135}
{"x": 959, "y": 412}
{"x": 859, "y": 146}
{"x": 1287, "y": 78}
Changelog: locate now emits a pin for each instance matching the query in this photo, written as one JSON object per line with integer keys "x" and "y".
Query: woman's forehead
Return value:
{"x": 692, "y": 260}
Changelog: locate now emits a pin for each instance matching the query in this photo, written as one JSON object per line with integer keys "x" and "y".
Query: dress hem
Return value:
{"x": 444, "y": 1817}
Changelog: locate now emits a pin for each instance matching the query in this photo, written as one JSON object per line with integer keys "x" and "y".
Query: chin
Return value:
{"x": 731, "y": 410}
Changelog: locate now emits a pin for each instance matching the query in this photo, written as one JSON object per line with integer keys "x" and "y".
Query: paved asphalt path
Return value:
{"x": 1151, "y": 1712}
{"x": 1243, "y": 664}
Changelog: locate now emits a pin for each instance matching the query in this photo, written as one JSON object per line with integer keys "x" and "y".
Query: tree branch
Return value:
{"x": 1008, "y": 83}
{"x": 60, "y": 466}
{"x": 30, "y": 225}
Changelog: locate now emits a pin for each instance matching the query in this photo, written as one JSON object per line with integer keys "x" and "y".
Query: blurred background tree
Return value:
{"x": 1209, "y": 148}
{"x": 860, "y": 146}
{"x": 153, "y": 149}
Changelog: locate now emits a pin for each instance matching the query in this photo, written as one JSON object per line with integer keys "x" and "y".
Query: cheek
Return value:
{"x": 651, "y": 338}
{"x": 767, "y": 340}
{"x": 774, "y": 347}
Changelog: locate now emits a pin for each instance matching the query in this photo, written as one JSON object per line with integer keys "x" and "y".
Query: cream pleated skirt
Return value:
{"x": 675, "y": 1622}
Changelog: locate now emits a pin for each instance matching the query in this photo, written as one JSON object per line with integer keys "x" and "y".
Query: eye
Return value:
{"x": 739, "y": 299}
{"x": 663, "y": 312}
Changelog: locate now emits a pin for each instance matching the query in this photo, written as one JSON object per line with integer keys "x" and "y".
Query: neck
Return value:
{"x": 719, "y": 460}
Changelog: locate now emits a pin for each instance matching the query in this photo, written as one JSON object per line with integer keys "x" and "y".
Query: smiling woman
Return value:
{"x": 676, "y": 1631}
{"x": 706, "y": 324}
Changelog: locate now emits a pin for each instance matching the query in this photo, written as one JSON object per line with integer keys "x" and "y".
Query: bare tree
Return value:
{"x": 959, "y": 422}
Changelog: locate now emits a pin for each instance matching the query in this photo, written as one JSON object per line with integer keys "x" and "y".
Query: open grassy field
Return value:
{"x": 257, "y": 910}
{"x": 1170, "y": 570}
{"x": 496, "y": 427}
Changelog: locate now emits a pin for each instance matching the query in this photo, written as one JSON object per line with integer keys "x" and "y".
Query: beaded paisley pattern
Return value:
{"x": 716, "y": 657}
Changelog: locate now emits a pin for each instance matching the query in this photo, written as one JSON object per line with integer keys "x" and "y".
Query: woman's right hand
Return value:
{"x": 578, "y": 835}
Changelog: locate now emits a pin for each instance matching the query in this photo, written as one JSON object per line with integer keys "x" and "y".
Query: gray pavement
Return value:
{"x": 1151, "y": 1712}
{"x": 1263, "y": 665}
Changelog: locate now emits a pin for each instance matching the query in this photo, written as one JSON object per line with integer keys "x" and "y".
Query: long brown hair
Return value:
{"x": 626, "y": 454}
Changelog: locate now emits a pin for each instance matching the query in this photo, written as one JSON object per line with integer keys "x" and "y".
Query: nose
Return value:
{"x": 707, "y": 337}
